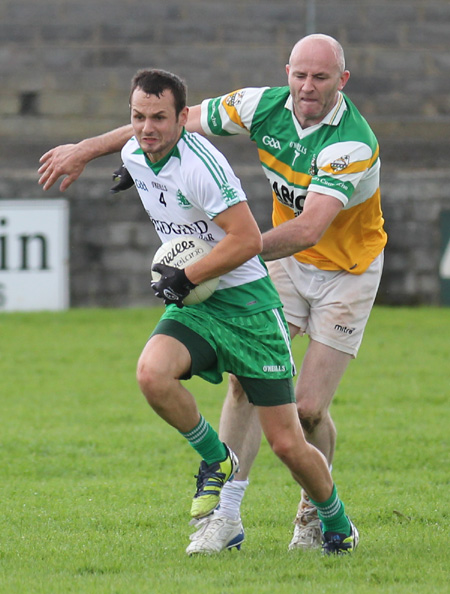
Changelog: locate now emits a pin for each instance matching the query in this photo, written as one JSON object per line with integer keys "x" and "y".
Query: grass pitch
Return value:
{"x": 95, "y": 489}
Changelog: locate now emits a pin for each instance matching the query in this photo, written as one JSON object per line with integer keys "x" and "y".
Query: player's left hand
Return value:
{"x": 173, "y": 286}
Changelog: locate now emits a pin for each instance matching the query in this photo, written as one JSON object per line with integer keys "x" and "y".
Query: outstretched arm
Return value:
{"x": 194, "y": 120}
{"x": 70, "y": 159}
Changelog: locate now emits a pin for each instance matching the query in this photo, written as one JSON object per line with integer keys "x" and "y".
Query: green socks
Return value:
{"x": 332, "y": 514}
{"x": 206, "y": 442}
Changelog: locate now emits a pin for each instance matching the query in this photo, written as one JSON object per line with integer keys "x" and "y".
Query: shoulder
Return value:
{"x": 251, "y": 99}
{"x": 271, "y": 102}
{"x": 195, "y": 147}
{"x": 201, "y": 160}
{"x": 268, "y": 97}
{"x": 354, "y": 125}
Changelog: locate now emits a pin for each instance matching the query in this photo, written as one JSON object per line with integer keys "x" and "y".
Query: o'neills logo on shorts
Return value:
{"x": 273, "y": 368}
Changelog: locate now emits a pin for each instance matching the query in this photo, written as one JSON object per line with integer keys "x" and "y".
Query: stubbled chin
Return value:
{"x": 148, "y": 145}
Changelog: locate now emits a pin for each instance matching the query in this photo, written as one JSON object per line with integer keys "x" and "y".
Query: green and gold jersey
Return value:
{"x": 338, "y": 157}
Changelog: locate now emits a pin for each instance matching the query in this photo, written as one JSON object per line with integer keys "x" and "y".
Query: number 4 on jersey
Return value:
{"x": 162, "y": 199}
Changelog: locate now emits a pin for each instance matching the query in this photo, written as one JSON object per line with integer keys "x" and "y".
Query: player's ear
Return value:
{"x": 344, "y": 79}
{"x": 183, "y": 116}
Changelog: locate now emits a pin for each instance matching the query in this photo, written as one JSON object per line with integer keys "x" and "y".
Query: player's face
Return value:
{"x": 155, "y": 123}
{"x": 314, "y": 79}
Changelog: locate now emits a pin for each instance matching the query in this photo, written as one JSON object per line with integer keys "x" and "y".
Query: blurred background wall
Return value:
{"x": 65, "y": 69}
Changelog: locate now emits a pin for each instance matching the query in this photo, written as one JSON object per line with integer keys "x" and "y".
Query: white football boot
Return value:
{"x": 214, "y": 534}
{"x": 307, "y": 530}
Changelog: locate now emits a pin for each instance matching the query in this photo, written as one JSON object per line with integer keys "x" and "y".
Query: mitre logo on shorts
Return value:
{"x": 273, "y": 368}
{"x": 344, "y": 329}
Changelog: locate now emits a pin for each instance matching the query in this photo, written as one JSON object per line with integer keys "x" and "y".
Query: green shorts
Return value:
{"x": 256, "y": 348}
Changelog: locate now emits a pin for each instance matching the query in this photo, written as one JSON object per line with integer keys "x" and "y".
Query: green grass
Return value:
{"x": 95, "y": 489}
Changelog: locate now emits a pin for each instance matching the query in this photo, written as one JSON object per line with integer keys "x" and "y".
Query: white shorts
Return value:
{"x": 330, "y": 306}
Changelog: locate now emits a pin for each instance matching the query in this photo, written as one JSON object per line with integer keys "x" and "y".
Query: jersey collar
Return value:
{"x": 331, "y": 119}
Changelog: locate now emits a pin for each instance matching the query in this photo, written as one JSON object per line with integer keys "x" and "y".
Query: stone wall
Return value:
{"x": 65, "y": 68}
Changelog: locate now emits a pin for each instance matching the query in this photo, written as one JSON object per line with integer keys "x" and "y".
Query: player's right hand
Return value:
{"x": 123, "y": 180}
{"x": 173, "y": 286}
{"x": 66, "y": 159}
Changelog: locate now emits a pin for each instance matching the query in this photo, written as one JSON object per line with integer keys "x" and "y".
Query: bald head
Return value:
{"x": 317, "y": 42}
{"x": 316, "y": 73}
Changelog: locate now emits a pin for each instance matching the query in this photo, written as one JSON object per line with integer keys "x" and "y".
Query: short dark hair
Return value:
{"x": 155, "y": 82}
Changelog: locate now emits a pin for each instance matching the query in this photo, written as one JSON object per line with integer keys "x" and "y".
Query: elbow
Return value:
{"x": 254, "y": 246}
{"x": 258, "y": 244}
{"x": 310, "y": 238}
{"x": 309, "y": 243}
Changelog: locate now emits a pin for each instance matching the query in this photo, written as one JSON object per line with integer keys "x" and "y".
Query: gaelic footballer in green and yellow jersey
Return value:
{"x": 338, "y": 156}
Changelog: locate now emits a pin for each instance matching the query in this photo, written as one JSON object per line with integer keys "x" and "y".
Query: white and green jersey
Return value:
{"x": 338, "y": 157}
{"x": 182, "y": 194}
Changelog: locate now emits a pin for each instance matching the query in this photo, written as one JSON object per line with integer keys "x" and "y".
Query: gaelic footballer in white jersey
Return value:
{"x": 183, "y": 192}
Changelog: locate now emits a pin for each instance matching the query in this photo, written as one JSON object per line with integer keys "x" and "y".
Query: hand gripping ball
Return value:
{"x": 179, "y": 253}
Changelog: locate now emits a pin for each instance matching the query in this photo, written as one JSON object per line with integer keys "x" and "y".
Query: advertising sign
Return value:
{"x": 34, "y": 255}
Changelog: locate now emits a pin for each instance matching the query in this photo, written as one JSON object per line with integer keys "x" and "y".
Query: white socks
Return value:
{"x": 231, "y": 498}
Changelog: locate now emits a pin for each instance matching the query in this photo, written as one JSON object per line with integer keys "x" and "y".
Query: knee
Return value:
{"x": 150, "y": 382}
{"x": 309, "y": 414}
{"x": 283, "y": 448}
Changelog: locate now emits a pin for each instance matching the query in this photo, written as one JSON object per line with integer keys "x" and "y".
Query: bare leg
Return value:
{"x": 319, "y": 377}
{"x": 307, "y": 464}
{"x": 239, "y": 427}
{"x": 322, "y": 370}
{"x": 158, "y": 377}
{"x": 241, "y": 430}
